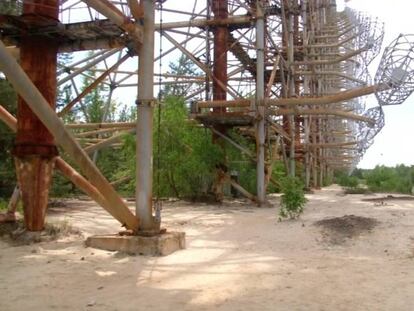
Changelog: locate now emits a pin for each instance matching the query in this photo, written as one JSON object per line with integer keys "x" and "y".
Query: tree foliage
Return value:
{"x": 390, "y": 179}
{"x": 8, "y": 100}
{"x": 182, "y": 67}
{"x": 345, "y": 180}
{"x": 185, "y": 153}
{"x": 11, "y": 7}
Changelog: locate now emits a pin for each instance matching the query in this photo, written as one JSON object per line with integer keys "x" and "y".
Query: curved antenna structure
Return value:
{"x": 396, "y": 72}
{"x": 368, "y": 132}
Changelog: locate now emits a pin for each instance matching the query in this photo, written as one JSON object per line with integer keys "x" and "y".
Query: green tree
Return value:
{"x": 183, "y": 67}
{"x": 11, "y": 7}
{"x": 8, "y": 99}
{"x": 188, "y": 157}
{"x": 390, "y": 179}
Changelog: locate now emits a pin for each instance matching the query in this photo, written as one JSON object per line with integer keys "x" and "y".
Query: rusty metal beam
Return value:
{"x": 92, "y": 86}
{"x": 68, "y": 171}
{"x": 328, "y": 112}
{"x": 41, "y": 108}
{"x": 34, "y": 148}
{"x": 322, "y": 100}
{"x": 108, "y": 9}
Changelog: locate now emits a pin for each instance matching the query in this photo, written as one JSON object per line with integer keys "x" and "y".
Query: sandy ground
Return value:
{"x": 238, "y": 257}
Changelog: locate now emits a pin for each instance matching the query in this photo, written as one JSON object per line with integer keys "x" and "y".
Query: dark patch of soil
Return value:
{"x": 15, "y": 233}
{"x": 389, "y": 198}
{"x": 357, "y": 190}
{"x": 338, "y": 230}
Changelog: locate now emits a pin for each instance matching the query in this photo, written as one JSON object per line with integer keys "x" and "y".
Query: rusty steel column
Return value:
{"x": 35, "y": 149}
{"x": 220, "y": 10}
{"x": 220, "y": 34}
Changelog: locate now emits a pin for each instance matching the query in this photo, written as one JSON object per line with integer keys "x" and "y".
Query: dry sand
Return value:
{"x": 238, "y": 257}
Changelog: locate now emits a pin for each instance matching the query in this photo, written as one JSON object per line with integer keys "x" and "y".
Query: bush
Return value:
{"x": 390, "y": 179}
{"x": 347, "y": 181}
{"x": 293, "y": 198}
{"x": 187, "y": 156}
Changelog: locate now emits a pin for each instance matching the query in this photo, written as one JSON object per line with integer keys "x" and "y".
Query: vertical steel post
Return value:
{"x": 208, "y": 58}
{"x": 145, "y": 112}
{"x": 260, "y": 123}
{"x": 35, "y": 148}
{"x": 306, "y": 90}
{"x": 291, "y": 92}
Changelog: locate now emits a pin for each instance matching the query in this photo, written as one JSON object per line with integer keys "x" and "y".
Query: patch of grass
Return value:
{"x": 60, "y": 228}
{"x": 3, "y": 205}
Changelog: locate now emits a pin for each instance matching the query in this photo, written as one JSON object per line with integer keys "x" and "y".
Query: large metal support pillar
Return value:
{"x": 35, "y": 100}
{"x": 220, "y": 10}
{"x": 35, "y": 149}
{"x": 220, "y": 33}
{"x": 145, "y": 112}
{"x": 260, "y": 92}
{"x": 291, "y": 92}
{"x": 306, "y": 90}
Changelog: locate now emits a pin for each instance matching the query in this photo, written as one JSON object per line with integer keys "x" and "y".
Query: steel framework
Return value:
{"x": 289, "y": 74}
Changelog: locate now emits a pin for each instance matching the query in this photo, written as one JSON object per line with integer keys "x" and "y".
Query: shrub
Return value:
{"x": 348, "y": 181}
{"x": 293, "y": 198}
{"x": 390, "y": 179}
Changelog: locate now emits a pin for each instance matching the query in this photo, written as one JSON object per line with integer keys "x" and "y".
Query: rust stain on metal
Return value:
{"x": 220, "y": 52}
{"x": 35, "y": 148}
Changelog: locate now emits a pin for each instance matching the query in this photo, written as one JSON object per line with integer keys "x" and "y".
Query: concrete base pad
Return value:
{"x": 159, "y": 245}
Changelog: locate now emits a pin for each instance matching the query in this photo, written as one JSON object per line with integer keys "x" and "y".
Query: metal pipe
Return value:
{"x": 80, "y": 182}
{"x": 107, "y": 142}
{"x": 291, "y": 92}
{"x": 326, "y": 112}
{"x": 100, "y": 125}
{"x": 109, "y": 10}
{"x": 260, "y": 107}
{"x": 7, "y": 118}
{"x": 223, "y": 22}
{"x": 144, "y": 127}
{"x": 87, "y": 66}
{"x": 322, "y": 100}
{"x": 92, "y": 86}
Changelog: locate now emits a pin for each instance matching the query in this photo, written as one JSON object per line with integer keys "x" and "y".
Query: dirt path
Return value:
{"x": 238, "y": 258}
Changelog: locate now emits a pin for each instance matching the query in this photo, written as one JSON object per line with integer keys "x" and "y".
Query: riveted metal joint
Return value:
{"x": 146, "y": 102}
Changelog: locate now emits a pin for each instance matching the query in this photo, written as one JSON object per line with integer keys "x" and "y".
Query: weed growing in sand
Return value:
{"x": 293, "y": 198}
{"x": 3, "y": 205}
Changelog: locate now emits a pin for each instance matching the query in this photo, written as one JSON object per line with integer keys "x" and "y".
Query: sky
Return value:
{"x": 393, "y": 144}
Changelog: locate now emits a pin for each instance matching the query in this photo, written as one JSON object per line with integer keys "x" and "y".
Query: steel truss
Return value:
{"x": 289, "y": 74}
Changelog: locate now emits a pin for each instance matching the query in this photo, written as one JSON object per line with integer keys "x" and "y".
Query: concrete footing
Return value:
{"x": 159, "y": 245}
